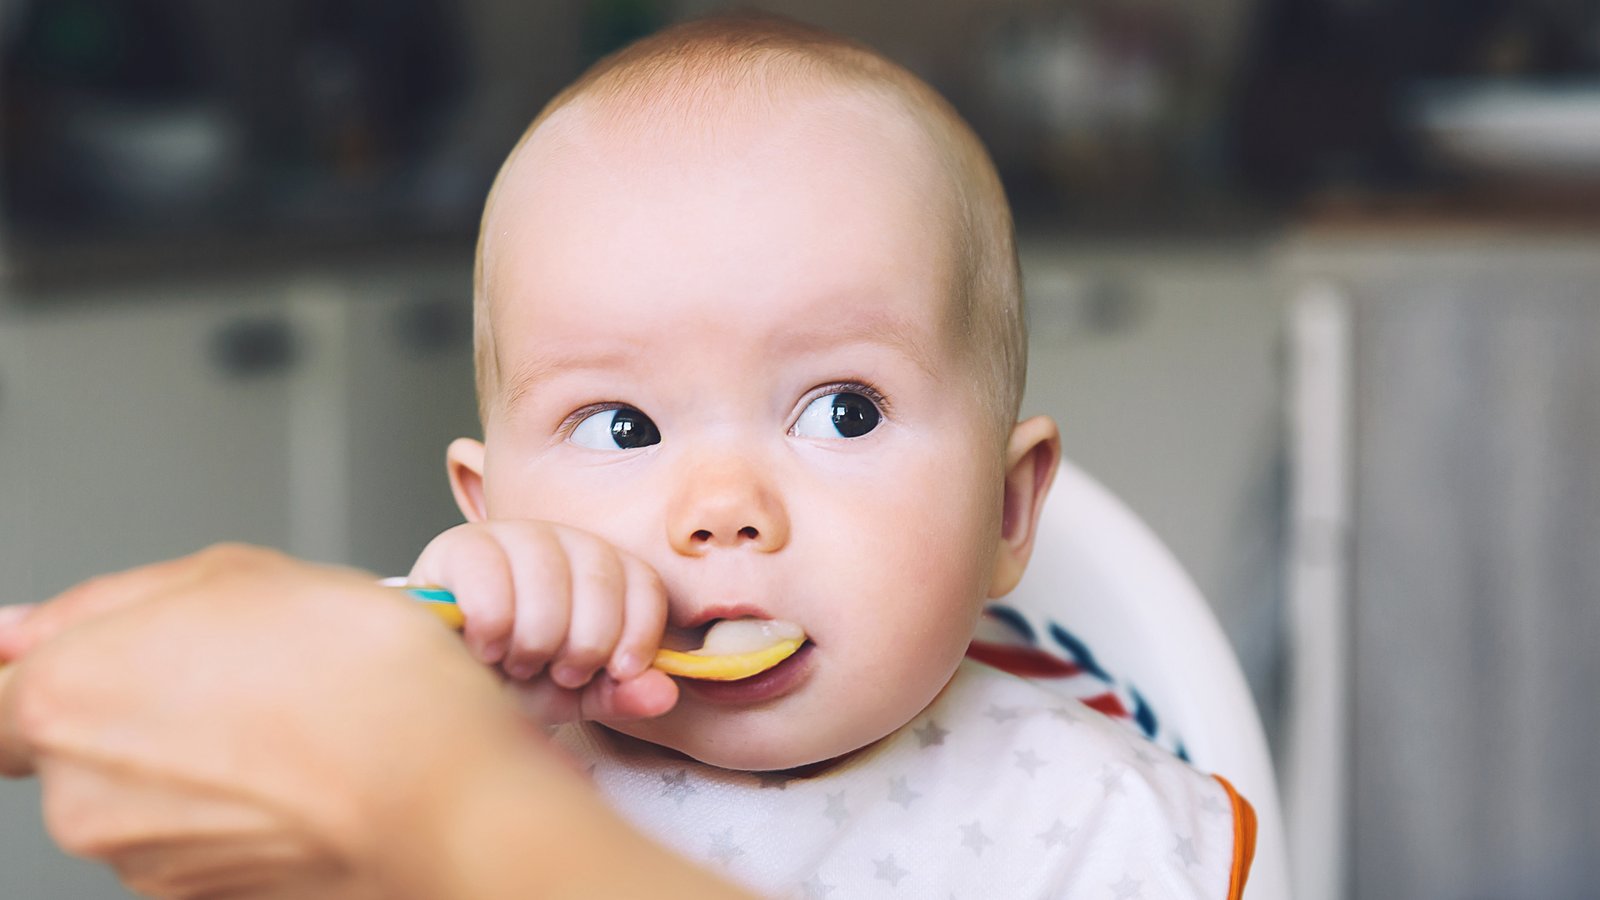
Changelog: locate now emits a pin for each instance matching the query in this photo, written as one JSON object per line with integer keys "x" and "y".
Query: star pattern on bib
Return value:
{"x": 676, "y": 785}
{"x": 1186, "y": 852}
{"x": 836, "y": 811}
{"x": 1028, "y": 761}
{"x": 723, "y": 849}
{"x": 1002, "y": 713}
{"x": 775, "y": 780}
{"x": 1127, "y": 889}
{"x": 901, "y": 793}
{"x": 1066, "y": 715}
{"x": 1057, "y": 833}
{"x": 931, "y": 735}
{"x": 815, "y": 888}
{"x": 1111, "y": 779}
{"x": 889, "y": 871}
{"x": 972, "y": 837}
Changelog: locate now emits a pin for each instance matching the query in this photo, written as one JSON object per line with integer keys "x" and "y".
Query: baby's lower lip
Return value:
{"x": 775, "y": 682}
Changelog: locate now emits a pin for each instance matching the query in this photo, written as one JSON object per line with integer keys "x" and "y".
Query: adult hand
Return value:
{"x": 240, "y": 724}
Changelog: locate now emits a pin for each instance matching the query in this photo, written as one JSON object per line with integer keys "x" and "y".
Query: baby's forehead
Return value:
{"x": 828, "y": 193}
{"x": 738, "y": 126}
{"x": 826, "y": 137}
{"x": 677, "y": 94}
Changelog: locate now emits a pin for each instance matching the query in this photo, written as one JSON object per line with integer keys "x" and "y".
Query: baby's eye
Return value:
{"x": 845, "y": 414}
{"x": 620, "y": 428}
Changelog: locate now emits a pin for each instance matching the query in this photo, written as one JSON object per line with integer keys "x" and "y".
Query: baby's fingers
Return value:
{"x": 542, "y": 576}
{"x": 651, "y": 694}
{"x": 644, "y": 612}
{"x": 604, "y": 699}
{"x": 475, "y": 568}
{"x": 597, "y": 609}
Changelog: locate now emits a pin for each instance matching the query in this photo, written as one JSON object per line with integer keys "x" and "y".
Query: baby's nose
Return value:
{"x": 726, "y": 510}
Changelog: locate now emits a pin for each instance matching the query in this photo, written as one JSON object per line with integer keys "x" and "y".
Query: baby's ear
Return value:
{"x": 464, "y": 460}
{"x": 1031, "y": 458}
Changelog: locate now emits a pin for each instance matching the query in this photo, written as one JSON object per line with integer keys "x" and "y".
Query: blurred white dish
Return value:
{"x": 1514, "y": 129}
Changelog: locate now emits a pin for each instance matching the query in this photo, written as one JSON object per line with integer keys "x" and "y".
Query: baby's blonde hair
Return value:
{"x": 696, "y": 68}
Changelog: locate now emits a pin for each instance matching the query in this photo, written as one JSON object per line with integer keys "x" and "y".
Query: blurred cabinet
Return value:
{"x": 140, "y": 429}
{"x": 308, "y": 412}
{"x": 1458, "y": 558}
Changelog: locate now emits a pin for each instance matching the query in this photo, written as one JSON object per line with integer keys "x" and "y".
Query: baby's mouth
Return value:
{"x": 733, "y": 649}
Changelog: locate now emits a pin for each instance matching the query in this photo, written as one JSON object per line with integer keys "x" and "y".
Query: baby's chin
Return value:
{"x": 746, "y": 749}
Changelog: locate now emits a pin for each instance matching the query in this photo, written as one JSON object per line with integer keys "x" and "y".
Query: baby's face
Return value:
{"x": 742, "y": 365}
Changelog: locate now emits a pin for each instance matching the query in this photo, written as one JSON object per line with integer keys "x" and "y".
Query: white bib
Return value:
{"x": 1000, "y": 789}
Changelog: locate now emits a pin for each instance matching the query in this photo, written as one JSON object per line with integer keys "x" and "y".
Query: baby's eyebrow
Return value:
{"x": 877, "y": 330}
{"x": 530, "y": 374}
{"x": 871, "y": 330}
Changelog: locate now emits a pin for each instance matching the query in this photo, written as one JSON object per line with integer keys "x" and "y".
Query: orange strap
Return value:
{"x": 1244, "y": 839}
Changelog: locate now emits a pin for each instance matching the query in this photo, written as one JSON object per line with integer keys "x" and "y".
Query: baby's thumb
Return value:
{"x": 604, "y": 698}
{"x": 650, "y": 694}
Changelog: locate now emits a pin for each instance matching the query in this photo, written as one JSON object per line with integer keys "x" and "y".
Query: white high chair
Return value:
{"x": 1105, "y": 577}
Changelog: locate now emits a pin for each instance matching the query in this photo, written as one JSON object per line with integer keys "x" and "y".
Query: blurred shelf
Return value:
{"x": 33, "y": 273}
{"x": 1505, "y": 206}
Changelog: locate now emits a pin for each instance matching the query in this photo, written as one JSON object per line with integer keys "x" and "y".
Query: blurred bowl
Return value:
{"x": 152, "y": 157}
{"x": 1516, "y": 130}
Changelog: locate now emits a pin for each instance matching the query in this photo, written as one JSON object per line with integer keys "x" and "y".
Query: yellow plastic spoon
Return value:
{"x": 684, "y": 664}
{"x": 728, "y": 667}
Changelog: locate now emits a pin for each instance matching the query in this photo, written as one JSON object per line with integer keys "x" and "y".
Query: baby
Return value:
{"x": 750, "y": 346}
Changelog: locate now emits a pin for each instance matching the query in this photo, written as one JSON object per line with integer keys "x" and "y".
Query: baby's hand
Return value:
{"x": 554, "y": 607}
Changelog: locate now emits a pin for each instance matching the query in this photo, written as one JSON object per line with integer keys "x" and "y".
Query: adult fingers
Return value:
{"x": 22, "y": 629}
{"x": 95, "y": 597}
{"x": 139, "y": 826}
{"x": 16, "y": 760}
{"x": 11, "y": 639}
{"x": 11, "y": 631}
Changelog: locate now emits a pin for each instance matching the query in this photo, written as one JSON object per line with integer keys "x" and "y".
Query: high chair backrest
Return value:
{"x": 1106, "y": 592}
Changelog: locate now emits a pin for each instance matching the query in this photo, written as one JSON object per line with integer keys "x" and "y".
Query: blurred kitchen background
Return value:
{"x": 1314, "y": 287}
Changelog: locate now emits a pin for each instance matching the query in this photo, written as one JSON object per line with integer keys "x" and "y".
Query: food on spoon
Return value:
{"x": 735, "y": 649}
